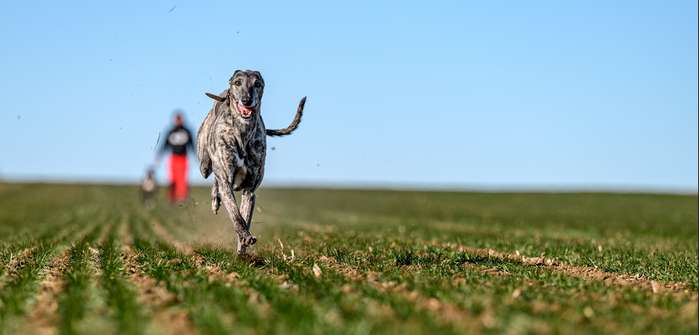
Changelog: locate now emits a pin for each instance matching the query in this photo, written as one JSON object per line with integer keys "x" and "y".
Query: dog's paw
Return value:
{"x": 249, "y": 240}
{"x": 244, "y": 242}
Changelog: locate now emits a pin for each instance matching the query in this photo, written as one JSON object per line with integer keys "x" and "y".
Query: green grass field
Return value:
{"x": 91, "y": 260}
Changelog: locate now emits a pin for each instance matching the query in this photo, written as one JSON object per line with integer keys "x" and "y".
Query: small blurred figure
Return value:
{"x": 178, "y": 140}
{"x": 149, "y": 188}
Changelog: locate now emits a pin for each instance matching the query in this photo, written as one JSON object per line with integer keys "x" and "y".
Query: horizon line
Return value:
{"x": 390, "y": 186}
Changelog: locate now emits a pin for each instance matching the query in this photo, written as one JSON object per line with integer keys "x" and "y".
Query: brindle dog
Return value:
{"x": 231, "y": 143}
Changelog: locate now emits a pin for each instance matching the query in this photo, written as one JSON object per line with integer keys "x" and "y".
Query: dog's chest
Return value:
{"x": 244, "y": 153}
{"x": 251, "y": 175}
{"x": 255, "y": 152}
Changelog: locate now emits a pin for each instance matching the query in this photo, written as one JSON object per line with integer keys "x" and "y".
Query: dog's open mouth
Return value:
{"x": 245, "y": 112}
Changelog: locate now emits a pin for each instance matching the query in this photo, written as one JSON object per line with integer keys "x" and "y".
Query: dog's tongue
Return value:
{"x": 244, "y": 111}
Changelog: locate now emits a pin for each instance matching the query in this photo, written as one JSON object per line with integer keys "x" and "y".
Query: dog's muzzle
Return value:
{"x": 244, "y": 111}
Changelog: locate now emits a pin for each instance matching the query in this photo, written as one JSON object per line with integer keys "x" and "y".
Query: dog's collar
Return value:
{"x": 229, "y": 98}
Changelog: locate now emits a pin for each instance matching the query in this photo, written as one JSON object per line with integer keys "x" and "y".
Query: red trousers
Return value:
{"x": 178, "y": 178}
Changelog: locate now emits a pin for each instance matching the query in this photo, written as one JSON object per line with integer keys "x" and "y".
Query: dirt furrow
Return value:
{"x": 444, "y": 311}
{"x": 22, "y": 283}
{"x": 20, "y": 258}
{"x": 583, "y": 272}
{"x": 215, "y": 272}
{"x": 162, "y": 233}
{"x": 124, "y": 233}
{"x": 16, "y": 262}
{"x": 43, "y": 316}
{"x": 42, "y": 313}
{"x": 166, "y": 318}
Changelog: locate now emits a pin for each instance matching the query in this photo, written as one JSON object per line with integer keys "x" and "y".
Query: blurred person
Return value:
{"x": 178, "y": 141}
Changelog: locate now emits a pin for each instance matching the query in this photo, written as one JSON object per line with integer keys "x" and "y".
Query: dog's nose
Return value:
{"x": 246, "y": 101}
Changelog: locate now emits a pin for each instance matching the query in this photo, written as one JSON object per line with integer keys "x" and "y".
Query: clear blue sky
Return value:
{"x": 494, "y": 94}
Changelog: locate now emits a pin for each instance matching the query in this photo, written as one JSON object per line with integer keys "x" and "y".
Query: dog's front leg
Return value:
{"x": 245, "y": 239}
{"x": 247, "y": 206}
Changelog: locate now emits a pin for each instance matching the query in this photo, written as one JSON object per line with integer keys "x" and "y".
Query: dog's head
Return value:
{"x": 245, "y": 92}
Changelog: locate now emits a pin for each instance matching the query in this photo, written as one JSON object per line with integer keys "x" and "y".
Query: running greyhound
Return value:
{"x": 231, "y": 143}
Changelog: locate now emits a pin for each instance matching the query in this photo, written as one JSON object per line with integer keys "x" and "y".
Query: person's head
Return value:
{"x": 179, "y": 118}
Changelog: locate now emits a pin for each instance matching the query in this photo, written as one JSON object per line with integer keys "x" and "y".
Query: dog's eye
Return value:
{"x": 237, "y": 82}
{"x": 257, "y": 84}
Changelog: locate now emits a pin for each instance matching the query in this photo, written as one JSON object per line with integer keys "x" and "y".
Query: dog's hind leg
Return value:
{"x": 245, "y": 239}
{"x": 215, "y": 198}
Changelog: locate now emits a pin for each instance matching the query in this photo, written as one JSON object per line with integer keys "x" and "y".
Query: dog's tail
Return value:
{"x": 293, "y": 125}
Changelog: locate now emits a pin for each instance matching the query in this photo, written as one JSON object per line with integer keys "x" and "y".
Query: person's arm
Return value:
{"x": 190, "y": 142}
{"x": 163, "y": 148}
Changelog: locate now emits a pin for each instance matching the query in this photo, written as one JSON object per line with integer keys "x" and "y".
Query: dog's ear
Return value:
{"x": 215, "y": 97}
{"x": 234, "y": 73}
